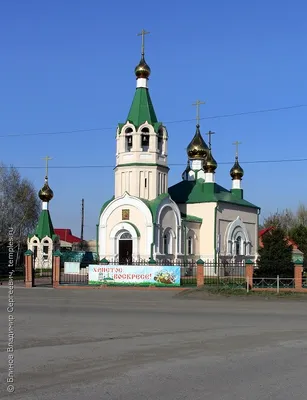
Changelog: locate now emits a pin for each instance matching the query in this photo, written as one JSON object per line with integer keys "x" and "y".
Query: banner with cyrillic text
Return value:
{"x": 134, "y": 275}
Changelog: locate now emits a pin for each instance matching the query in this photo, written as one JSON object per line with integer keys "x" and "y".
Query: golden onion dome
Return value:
{"x": 197, "y": 149}
{"x": 142, "y": 70}
{"x": 237, "y": 171}
{"x": 210, "y": 164}
{"x": 45, "y": 194}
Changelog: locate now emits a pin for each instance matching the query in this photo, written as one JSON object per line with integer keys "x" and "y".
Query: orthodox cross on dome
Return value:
{"x": 237, "y": 147}
{"x": 47, "y": 159}
{"x": 143, "y": 33}
{"x": 209, "y": 140}
{"x": 197, "y": 104}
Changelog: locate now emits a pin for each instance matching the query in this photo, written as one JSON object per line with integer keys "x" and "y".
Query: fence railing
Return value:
{"x": 231, "y": 275}
{"x": 273, "y": 283}
{"x": 80, "y": 278}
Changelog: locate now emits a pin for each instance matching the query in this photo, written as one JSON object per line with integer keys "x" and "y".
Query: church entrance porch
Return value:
{"x": 125, "y": 248}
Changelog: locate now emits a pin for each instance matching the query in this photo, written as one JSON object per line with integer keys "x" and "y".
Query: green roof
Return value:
{"x": 104, "y": 206}
{"x": 142, "y": 110}
{"x": 44, "y": 226}
{"x": 153, "y": 205}
{"x": 190, "y": 218}
{"x": 201, "y": 192}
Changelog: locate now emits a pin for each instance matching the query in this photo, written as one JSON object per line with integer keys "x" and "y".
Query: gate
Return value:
{"x": 42, "y": 270}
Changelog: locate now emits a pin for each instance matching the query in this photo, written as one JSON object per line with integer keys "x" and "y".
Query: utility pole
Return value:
{"x": 82, "y": 221}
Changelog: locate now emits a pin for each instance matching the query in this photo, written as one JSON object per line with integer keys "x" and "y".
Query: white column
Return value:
{"x": 141, "y": 83}
{"x": 236, "y": 184}
{"x": 196, "y": 164}
{"x": 209, "y": 177}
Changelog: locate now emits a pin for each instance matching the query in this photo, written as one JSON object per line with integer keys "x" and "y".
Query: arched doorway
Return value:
{"x": 125, "y": 248}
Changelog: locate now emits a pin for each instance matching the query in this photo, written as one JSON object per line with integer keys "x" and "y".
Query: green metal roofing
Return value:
{"x": 201, "y": 192}
{"x": 191, "y": 218}
{"x": 104, "y": 206}
{"x": 44, "y": 226}
{"x": 153, "y": 205}
{"x": 142, "y": 110}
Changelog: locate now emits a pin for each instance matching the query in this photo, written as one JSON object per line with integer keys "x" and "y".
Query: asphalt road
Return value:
{"x": 139, "y": 345}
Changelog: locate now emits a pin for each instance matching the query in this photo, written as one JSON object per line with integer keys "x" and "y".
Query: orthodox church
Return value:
{"x": 148, "y": 220}
{"x": 44, "y": 242}
{"x": 195, "y": 218}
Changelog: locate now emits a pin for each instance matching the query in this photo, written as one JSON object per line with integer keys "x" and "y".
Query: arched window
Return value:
{"x": 128, "y": 139}
{"x": 45, "y": 251}
{"x": 160, "y": 141}
{"x": 125, "y": 236}
{"x": 237, "y": 239}
{"x": 190, "y": 245}
{"x": 145, "y": 139}
{"x": 165, "y": 244}
{"x": 238, "y": 246}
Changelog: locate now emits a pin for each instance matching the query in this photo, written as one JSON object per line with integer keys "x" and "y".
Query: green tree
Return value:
{"x": 275, "y": 257}
{"x": 299, "y": 235}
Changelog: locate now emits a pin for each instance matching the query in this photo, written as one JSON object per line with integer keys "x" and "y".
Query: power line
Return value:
{"x": 171, "y": 165}
{"x": 168, "y": 122}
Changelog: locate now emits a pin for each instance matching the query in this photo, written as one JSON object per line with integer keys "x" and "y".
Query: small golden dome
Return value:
{"x": 210, "y": 164}
{"x": 197, "y": 149}
{"x": 237, "y": 171}
{"x": 142, "y": 70}
{"x": 45, "y": 194}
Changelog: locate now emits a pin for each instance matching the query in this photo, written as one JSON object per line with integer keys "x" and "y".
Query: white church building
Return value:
{"x": 195, "y": 218}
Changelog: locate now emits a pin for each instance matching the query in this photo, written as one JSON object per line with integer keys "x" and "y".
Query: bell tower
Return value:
{"x": 141, "y": 143}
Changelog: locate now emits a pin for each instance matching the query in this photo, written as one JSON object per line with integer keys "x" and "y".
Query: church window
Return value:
{"x": 126, "y": 236}
{"x": 145, "y": 139}
{"x": 165, "y": 244}
{"x": 35, "y": 252}
{"x": 45, "y": 251}
{"x": 190, "y": 245}
{"x": 146, "y": 182}
{"x": 160, "y": 141}
{"x": 129, "y": 141}
{"x": 238, "y": 246}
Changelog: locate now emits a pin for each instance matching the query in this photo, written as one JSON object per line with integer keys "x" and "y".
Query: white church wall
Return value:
{"x": 205, "y": 211}
{"x": 248, "y": 217}
{"x": 112, "y": 222}
{"x": 193, "y": 231}
{"x": 168, "y": 238}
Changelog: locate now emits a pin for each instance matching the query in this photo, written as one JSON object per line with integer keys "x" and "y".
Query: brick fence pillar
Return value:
{"x": 199, "y": 273}
{"x": 56, "y": 269}
{"x": 29, "y": 269}
{"x": 249, "y": 273}
{"x": 298, "y": 275}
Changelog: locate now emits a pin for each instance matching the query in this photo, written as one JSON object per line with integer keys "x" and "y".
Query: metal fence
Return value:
{"x": 273, "y": 283}
{"x": 231, "y": 275}
{"x": 187, "y": 273}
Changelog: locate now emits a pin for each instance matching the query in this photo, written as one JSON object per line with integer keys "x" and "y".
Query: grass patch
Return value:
{"x": 224, "y": 291}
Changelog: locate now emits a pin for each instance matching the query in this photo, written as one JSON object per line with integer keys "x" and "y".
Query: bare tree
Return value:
{"x": 19, "y": 207}
{"x": 301, "y": 215}
{"x": 284, "y": 220}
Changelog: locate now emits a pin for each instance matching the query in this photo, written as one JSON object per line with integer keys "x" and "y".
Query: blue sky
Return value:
{"x": 69, "y": 65}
